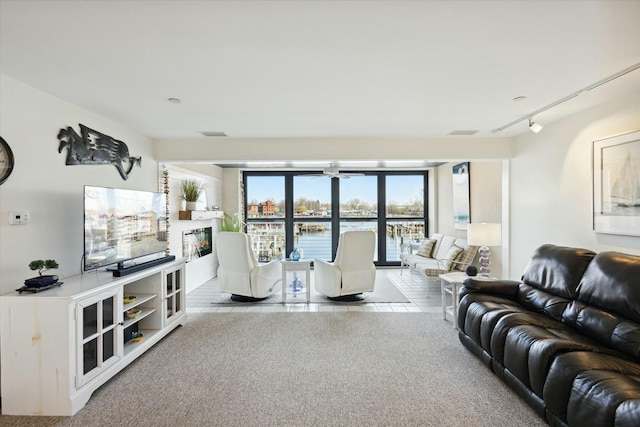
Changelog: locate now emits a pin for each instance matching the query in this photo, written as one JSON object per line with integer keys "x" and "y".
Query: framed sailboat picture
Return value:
{"x": 616, "y": 184}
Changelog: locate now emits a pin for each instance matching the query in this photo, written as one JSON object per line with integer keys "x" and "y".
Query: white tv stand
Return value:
{"x": 60, "y": 345}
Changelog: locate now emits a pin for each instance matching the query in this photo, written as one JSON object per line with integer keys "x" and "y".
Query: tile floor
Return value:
{"x": 422, "y": 292}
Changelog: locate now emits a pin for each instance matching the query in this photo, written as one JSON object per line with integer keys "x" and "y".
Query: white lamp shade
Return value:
{"x": 484, "y": 234}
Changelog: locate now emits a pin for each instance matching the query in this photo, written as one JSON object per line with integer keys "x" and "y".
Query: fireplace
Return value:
{"x": 196, "y": 243}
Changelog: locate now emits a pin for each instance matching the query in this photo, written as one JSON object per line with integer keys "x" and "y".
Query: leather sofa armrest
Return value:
{"x": 508, "y": 288}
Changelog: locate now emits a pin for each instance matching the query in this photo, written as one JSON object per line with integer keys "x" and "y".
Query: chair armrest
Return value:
{"x": 271, "y": 271}
{"x": 327, "y": 274}
{"x": 508, "y": 288}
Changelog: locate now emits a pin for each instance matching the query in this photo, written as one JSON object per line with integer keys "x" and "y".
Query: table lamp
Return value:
{"x": 484, "y": 234}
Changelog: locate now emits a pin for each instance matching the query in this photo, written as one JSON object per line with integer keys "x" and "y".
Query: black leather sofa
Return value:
{"x": 566, "y": 338}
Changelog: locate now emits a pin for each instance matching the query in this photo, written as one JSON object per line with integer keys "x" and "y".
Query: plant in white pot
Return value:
{"x": 191, "y": 190}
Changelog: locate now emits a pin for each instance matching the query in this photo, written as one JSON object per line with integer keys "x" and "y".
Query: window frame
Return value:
{"x": 335, "y": 219}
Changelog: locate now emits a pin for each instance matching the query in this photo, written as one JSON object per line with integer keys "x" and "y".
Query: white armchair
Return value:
{"x": 239, "y": 272}
{"x": 353, "y": 271}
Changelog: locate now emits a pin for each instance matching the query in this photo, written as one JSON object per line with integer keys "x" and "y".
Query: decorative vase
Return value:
{"x": 294, "y": 255}
{"x": 191, "y": 206}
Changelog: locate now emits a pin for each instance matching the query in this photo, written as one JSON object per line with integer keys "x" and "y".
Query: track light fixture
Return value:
{"x": 535, "y": 127}
{"x": 567, "y": 98}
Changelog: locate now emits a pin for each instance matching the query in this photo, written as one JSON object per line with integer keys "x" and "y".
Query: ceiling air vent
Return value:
{"x": 463, "y": 132}
{"x": 213, "y": 133}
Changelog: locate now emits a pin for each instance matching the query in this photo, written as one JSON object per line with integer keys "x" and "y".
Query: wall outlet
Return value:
{"x": 19, "y": 217}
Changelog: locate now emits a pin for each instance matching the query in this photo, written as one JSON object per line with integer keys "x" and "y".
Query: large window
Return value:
{"x": 265, "y": 197}
{"x": 312, "y": 211}
{"x": 405, "y": 201}
{"x": 296, "y": 209}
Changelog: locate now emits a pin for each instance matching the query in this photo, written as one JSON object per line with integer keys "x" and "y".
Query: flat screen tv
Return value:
{"x": 121, "y": 226}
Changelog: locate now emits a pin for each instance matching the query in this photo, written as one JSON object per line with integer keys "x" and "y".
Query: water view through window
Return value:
{"x": 290, "y": 210}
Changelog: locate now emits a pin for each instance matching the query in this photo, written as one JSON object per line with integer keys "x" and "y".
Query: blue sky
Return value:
{"x": 400, "y": 188}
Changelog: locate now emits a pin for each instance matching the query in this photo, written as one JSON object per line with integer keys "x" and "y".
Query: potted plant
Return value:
{"x": 41, "y": 266}
{"x": 191, "y": 190}
{"x": 232, "y": 223}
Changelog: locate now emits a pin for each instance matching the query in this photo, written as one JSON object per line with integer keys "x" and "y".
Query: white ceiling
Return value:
{"x": 322, "y": 68}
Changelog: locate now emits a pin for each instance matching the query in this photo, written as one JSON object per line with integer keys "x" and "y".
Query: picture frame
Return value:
{"x": 616, "y": 184}
{"x": 461, "y": 198}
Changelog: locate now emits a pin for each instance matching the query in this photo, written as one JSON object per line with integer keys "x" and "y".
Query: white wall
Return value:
{"x": 486, "y": 198}
{"x": 551, "y": 182}
{"x": 42, "y": 184}
{"x": 201, "y": 269}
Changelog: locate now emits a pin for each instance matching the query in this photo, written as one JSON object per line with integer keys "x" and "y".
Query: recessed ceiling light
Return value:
{"x": 213, "y": 133}
{"x": 519, "y": 98}
{"x": 463, "y": 132}
{"x": 174, "y": 100}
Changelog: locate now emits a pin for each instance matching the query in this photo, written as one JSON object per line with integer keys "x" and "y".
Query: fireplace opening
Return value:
{"x": 197, "y": 243}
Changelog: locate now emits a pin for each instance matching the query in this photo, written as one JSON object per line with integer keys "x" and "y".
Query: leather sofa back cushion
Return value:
{"x": 608, "y": 329}
{"x": 541, "y": 302}
{"x": 612, "y": 282}
{"x": 557, "y": 269}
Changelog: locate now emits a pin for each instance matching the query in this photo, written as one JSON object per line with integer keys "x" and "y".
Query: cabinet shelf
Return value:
{"x": 131, "y": 345}
{"x": 139, "y": 317}
{"x": 140, "y": 299}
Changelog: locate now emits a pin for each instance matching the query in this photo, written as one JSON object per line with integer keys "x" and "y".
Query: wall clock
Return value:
{"x": 6, "y": 160}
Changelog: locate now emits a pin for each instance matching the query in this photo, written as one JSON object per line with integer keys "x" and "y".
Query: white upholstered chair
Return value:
{"x": 353, "y": 271}
{"x": 239, "y": 272}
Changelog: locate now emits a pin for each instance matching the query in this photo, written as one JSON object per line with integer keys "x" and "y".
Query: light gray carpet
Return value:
{"x": 384, "y": 291}
{"x": 303, "y": 369}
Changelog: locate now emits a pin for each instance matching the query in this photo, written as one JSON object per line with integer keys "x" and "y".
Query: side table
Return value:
{"x": 450, "y": 283}
{"x": 295, "y": 266}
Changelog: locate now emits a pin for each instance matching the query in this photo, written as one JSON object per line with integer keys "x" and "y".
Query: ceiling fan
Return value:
{"x": 335, "y": 173}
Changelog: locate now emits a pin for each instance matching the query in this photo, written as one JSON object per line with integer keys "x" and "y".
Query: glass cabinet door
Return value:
{"x": 174, "y": 299}
{"x": 98, "y": 332}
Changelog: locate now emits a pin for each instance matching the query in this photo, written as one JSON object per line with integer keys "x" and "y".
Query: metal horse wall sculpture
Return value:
{"x": 96, "y": 148}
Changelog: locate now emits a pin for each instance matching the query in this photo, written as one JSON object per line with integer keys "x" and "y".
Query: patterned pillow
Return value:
{"x": 453, "y": 255}
{"x": 426, "y": 247}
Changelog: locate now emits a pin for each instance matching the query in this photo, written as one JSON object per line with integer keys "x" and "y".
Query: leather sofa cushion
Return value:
{"x": 559, "y": 386}
{"x": 604, "y": 398}
{"x": 541, "y": 302}
{"x": 557, "y": 269}
{"x": 478, "y": 313}
{"x": 607, "y": 328}
{"x": 555, "y": 330}
{"x": 527, "y": 343}
{"x": 612, "y": 282}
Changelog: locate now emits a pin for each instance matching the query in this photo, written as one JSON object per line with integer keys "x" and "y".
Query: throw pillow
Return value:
{"x": 453, "y": 255}
{"x": 426, "y": 247}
